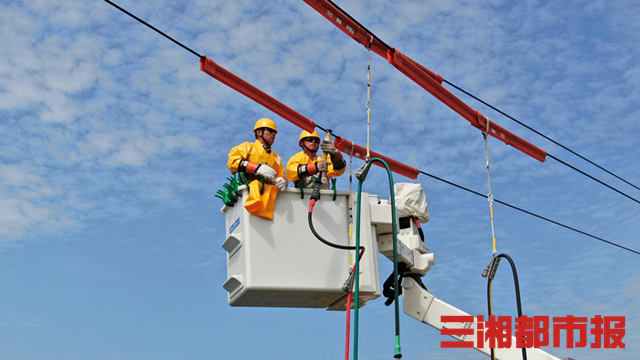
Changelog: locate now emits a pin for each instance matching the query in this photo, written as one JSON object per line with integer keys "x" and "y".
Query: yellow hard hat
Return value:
{"x": 265, "y": 123}
{"x": 306, "y": 134}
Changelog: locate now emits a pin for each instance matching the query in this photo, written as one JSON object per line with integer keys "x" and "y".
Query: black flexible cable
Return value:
{"x": 156, "y": 30}
{"x": 490, "y": 312}
{"x": 326, "y": 242}
{"x": 539, "y": 133}
{"x": 518, "y": 301}
{"x": 530, "y": 213}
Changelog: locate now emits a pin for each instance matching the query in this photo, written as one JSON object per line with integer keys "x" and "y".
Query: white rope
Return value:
{"x": 490, "y": 195}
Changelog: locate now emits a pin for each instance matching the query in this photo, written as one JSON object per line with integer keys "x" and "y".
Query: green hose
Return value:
{"x": 398, "y": 352}
{"x": 357, "y": 275}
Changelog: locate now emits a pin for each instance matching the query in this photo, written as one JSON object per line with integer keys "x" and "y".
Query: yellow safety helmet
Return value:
{"x": 265, "y": 123}
{"x": 306, "y": 134}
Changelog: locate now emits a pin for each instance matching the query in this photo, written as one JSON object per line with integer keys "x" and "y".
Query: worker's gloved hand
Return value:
{"x": 266, "y": 171}
{"x": 281, "y": 183}
{"x": 322, "y": 166}
{"x": 329, "y": 148}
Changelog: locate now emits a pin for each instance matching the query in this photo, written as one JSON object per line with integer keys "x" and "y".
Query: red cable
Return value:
{"x": 346, "y": 353}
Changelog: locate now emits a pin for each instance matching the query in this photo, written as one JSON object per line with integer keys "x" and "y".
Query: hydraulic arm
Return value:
{"x": 420, "y": 304}
{"x": 423, "y": 306}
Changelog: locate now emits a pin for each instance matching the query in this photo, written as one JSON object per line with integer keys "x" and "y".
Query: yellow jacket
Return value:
{"x": 254, "y": 152}
{"x": 302, "y": 159}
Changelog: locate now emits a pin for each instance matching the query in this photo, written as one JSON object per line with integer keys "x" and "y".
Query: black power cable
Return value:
{"x": 539, "y": 133}
{"x": 530, "y": 213}
{"x": 156, "y": 30}
{"x": 323, "y": 240}
{"x": 591, "y": 177}
{"x": 489, "y": 273}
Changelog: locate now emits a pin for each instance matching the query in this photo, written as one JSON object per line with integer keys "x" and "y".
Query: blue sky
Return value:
{"x": 113, "y": 144}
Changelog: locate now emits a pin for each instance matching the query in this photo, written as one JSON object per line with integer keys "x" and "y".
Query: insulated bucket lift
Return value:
{"x": 280, "y": 263}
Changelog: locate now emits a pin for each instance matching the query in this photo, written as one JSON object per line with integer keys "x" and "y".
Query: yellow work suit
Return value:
{"x": 261, "y": 200}
{"x": 303, "y": 159}
{"x": 256, "y": 153}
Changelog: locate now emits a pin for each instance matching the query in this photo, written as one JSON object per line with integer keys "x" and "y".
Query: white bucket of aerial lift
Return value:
{"x": 280, "y": 263}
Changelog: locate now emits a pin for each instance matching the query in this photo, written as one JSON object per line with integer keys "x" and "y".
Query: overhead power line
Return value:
{"x": 156, "y": 30}
{"x": 530, "y": 213}
{"x": 446, "y": 81}
{"x": 541, "y": 134}
{"x": 386, "y": 51}
{"x": 591, "y": 177}
{"x": 422, "y": 172}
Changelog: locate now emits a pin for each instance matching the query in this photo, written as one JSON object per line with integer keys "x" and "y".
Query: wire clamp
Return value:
{"x": 489, "y": 271}
{"x": 362, "y": 172}
{"x": 348, "y": 285}
{"x": 490, "y": 198}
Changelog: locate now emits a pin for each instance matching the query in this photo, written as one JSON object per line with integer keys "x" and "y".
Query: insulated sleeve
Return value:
{"x": 248, "y": 167}
{"x": 309, "y": 169}
{"x": 338, "y": 161}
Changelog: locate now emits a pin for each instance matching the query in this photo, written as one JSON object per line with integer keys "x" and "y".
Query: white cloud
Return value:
{"x": 12, "y": 175}
{"x": 45, "y": 77}
{"x": 24, "y": 203}
{"x": 135, "y": 152}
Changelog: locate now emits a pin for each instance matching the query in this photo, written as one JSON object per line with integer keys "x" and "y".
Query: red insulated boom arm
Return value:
{"x": 233, "y": 81}
{"x": 360, "y": 152}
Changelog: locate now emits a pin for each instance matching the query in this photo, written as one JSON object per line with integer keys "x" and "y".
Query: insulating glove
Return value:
{"x": 281, "y": 183}
{"x": 329, "y": 148}
{"x": 266, "y": 171}
{"x": 322, "y": 165}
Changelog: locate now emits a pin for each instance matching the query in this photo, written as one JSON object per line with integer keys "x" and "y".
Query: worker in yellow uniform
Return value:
{"x": 258, "y": 161}
{"x": 303, "y": 166}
